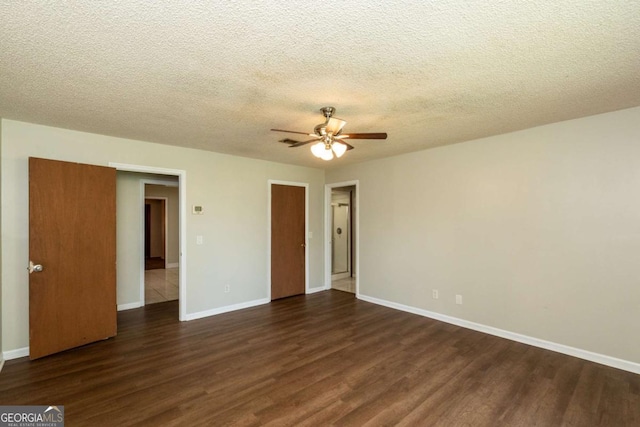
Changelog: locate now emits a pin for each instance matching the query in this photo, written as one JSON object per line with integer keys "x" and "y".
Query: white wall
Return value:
{"x": 1, "y": 354}
{"x": 538, "y": 230}
{"x": 129, "y": 244}
{"x": 233, "y": 191}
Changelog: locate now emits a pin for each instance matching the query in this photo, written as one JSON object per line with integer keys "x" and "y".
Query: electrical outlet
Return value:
{"x": 199, "y": 240}
{"x": 434, "y": 293}
{"x": 459, "y": 299}
{"x": 227, "y": 288}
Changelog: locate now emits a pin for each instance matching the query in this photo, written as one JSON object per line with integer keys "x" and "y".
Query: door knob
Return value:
{"x": 34, "y": 268}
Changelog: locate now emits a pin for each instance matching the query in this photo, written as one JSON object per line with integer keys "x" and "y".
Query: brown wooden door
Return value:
{"x": 287, "y": 241}
{"x": 72, "y": 234}
{"x": 147, "y": 230}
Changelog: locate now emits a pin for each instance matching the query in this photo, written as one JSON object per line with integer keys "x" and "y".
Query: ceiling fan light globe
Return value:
{"x": 338, "y": 148}
{"x": 327, "y": 154}
{"x": 318, "y": 149}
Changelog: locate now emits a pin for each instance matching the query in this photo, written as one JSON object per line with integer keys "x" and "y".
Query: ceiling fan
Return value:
{"x": 328, "y": 137}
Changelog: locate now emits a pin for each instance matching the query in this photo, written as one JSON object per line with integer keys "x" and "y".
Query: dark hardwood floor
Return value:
{"x": 321, "y": 359}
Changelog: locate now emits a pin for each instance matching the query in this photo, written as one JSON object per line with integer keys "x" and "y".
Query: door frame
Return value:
{"x": 355, "y": 266}
{"x": 166, "y": 213}
{"x": 349, "y": 272}
{"x": 182, "y": 208}
{"x": 306, "y": 231}
{"x": 143, "y": 197}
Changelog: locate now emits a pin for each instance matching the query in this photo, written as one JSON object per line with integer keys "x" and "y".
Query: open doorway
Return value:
{"x": 341, "y": 237}
{"x": 131, "y": 181}
{"x": 161, "y": 241}
{"x": 155, "y": 235}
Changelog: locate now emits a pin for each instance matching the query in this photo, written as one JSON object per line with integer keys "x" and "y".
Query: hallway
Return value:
{"x": 161, "y": 285}
{"x": 348, "y": 284}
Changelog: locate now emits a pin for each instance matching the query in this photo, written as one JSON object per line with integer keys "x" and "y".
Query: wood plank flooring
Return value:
{"x": 316, "y": 360}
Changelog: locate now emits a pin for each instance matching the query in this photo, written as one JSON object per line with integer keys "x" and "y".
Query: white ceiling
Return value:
{"x": 218, "y": 75}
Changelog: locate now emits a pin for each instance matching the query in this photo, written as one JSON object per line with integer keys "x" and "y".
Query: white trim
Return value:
{"x": 602, "y": 359}
{"x": 339, "y": 276}
{"x": 145, "y": 169}
{"x": 270, "y": 182}
{"x": 1, "y": 363}
{"x": 172, "y": 265}
{"x": 129, "y": 306}
{"x": 226, "y": 309}
{"x": 15, "y": 354}
{"x": 314, "y": 290}
{"x": 355, "y": 270}
{"x": 182, "y": 190}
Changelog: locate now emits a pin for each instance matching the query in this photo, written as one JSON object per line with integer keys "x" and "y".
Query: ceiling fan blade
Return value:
{"x": 380, "y": 135}
{"x": 334, "y": 125}
{"x": 290, "y": 131}
{"x": 301, "y": 143}
{"x": 349, "y": 146}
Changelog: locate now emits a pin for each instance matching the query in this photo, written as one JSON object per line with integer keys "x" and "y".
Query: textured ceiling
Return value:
{"x": 218, "y": 75}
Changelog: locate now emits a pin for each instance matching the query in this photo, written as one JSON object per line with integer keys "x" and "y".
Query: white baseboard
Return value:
{"x": 602, "y": 359}
{"x": 314, "y": 290}
{"x": 226, "y": 309}
{"x": 15, "y": 354}
{"x": 130, "y": 305}
{"x": 172, "y": 265}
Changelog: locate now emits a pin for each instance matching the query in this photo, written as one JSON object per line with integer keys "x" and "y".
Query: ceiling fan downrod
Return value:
{"x": 328, "y": 112}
